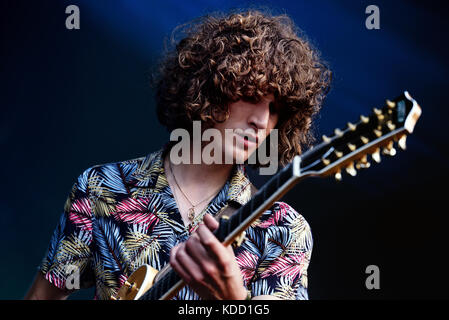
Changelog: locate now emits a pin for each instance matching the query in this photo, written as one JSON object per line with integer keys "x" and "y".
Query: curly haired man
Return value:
{"x": 245, "y": 70}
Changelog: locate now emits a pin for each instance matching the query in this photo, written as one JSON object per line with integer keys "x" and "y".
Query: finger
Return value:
{"x": 196, "y": 250}
{"x": 174, "y": 249}
{"x": 190, "y": 272}
{"x": 201, "y": 256}
{"x": 177, "y": 266}
{"x": 191, "y": 267}
{"x": 213, "y": 246}
{"x": 210, "y": 222}
{"x": 221, "y": 271}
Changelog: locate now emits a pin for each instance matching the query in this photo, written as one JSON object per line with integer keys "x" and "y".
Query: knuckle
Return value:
{"x": 210, "y": 270}
{"x": 174, "y": 249}
{"x": 190, "y": 245}
{"x": 181, "y": 253}
{"x": 227, "y": 270}
{"x": 198, "y": 277}
{"x": 209, "y": 242}
{"x": 224, "y": 262}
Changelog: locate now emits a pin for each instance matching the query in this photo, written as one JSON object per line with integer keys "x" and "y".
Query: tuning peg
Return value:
{"x": 392, "y": 152}
{"x": 338, "y": 132}
{"x": 390, "y": 125}
{"x": 351, "y": 126}
{"x": 365, "y": 140}
{"x": 351, "y": 146}
{"x": 339, "y": 154}
{"x": 350, "y": 169}
{"x": 402, "y": 142}
{"x": 378, "y": 133}
{"x": 326, "y": 139}
{"x": 378, "y": 113}
{"x": 363, "y": 163}
{"x": 390, "y": 104}
{"x": 389, "y": 149}
{"x": 364, "y": 119}
{"x": 338, "y": 175}
{"x": 376, "y": 155}
{"x": 325, "y": 161}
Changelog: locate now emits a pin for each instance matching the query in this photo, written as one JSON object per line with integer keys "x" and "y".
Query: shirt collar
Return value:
{"x": 148, "y": 178}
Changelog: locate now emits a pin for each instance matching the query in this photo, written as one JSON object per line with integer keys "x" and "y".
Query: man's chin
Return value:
{"x": 242, "y": 156}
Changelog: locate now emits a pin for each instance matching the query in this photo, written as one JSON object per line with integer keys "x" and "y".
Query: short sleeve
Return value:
{"x": 67, "y": 263}
{"x": 280, "y": 247}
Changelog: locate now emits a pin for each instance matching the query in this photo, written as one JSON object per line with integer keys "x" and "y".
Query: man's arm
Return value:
{"x": 42, "y": 289}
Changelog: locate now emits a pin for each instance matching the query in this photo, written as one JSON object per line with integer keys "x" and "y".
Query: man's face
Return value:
{"x": 249, "y": 123}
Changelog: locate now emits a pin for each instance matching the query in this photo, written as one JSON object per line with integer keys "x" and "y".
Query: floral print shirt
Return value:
{"x": 119, "y": 216}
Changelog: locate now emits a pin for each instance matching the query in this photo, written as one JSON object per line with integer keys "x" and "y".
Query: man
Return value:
{"x": 245, "y": 72}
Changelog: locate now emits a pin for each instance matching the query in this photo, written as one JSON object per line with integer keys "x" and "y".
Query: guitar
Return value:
{"x": 347, "y": 150}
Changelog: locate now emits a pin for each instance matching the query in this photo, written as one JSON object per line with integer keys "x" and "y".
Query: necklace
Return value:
{"x": 191, "y": 212}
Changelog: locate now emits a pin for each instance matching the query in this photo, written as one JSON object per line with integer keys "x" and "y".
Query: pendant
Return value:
{"x": 191, "y": 214}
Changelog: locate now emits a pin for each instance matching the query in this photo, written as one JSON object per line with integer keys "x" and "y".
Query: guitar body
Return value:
{"x": 139, "y": 282}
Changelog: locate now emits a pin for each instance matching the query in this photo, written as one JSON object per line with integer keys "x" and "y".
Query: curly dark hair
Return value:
{"x": 242, "y": 55}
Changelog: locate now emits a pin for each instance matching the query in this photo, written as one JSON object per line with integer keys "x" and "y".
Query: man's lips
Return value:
{"x": 248, "y": 137}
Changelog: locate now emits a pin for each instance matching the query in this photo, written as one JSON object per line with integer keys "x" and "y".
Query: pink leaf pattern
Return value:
{"x": 247, "y": 262}
{"x": 80, "y": 214}
{"x": 291, "y": 266}
{"x": 275, "y": 217}
{"x": 135, "y": 211}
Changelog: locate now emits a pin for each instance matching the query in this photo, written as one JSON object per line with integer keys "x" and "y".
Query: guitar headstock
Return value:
{"x": 374, "y": 135}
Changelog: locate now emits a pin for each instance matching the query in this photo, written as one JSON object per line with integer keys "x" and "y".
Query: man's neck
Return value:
{"x": 198, "y": 181}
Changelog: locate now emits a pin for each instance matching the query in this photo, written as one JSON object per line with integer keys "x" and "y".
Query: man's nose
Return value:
{"x": 260, "y": 115}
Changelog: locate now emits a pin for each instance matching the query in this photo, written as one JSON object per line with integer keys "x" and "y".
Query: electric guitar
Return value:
{"x": 346, "y": 150}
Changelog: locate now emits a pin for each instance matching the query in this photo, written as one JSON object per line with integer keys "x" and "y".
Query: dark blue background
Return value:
{"x": 71, "y": 99}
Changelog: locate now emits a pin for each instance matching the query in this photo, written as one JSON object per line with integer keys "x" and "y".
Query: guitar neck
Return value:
{"x": 270, "y": 192}
{"x": 170, "y": 283}
{"x": 346, "y": 150}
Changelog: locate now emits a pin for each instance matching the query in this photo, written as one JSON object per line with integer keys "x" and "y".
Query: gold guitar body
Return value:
{"x": 139, "y": 282}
